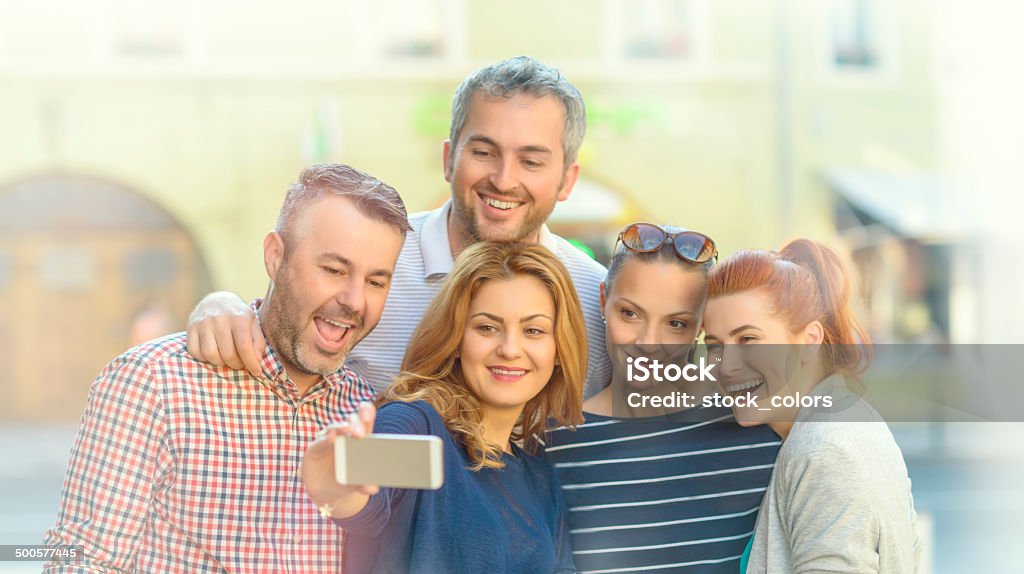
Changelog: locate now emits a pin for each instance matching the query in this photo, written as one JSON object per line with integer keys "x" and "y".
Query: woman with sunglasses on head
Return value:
{"x": 672, "y": 491}
{"x": 515, "y": 360}
{"x": 839, "y": 500}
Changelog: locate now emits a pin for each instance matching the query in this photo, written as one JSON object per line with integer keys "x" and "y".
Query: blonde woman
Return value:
{"x": 499, "y": 354}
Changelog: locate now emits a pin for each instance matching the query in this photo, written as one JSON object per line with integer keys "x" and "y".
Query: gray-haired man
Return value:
{"x": 516, "y": 128}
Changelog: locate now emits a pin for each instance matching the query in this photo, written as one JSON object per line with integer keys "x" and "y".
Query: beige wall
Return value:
{"x": 695, "y": 146}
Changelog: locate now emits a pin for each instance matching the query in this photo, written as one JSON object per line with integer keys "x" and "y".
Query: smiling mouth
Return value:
{"x": 334, "y": 333}
{"x": 506, "y": 374}
{"x": 500, "y": 204}
{"x": 750, "y": 385}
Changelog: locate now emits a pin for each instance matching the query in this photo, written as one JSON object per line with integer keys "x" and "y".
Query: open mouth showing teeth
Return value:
{"x": 747, "y": 386}
{"x": 332, "y": 331}
{"x": 498, "y": 204}
{"x": 509, "y": 373}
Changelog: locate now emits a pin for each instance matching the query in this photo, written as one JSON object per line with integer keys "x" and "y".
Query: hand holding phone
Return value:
{"x": 318, "y": 468}
{"x": 346, "y": 464}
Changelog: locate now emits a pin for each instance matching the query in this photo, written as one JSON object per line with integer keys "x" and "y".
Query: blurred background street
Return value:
{"x": 145, "y": 146}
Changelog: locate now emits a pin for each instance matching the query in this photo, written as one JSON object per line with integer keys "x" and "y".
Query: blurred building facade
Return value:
{"x": 733, "y": 117}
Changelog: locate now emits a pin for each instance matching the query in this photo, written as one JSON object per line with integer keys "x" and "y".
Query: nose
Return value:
{"x": 649, "y": 334}
{"x": 353, "y": 294}
{"x": 505, "y": 175}
{"x": 511, "y": 346}
{"x": 731, "y": 360}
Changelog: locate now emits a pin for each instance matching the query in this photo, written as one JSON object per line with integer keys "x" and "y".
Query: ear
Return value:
{"x": 604, "y": 296}
{"x": 811, "y": 338}
{"x": 446, "y": 160}
{"x": 568, "y": 181}
{"x": 273, "y": 254}
{"x": 814, "y": 333}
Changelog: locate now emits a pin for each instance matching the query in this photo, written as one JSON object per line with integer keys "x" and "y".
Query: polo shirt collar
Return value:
{"x": 437, "y": 251}
{"x": 434, "y": 246}
{"x": 547, "y": 239}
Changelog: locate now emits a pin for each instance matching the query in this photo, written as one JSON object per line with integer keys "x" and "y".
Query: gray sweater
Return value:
{"x": 839, "y": 500}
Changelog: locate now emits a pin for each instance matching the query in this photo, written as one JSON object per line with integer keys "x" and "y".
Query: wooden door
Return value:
{"x": 70, "y": 292}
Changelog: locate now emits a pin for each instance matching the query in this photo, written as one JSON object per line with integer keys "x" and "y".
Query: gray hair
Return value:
{"x": 666, "y": 252}
{"x": 523, "y": 75}
{"x": 371, "y": 196}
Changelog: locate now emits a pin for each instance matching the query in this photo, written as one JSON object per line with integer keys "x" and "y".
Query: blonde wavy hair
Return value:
{"x": 432, "y": 372}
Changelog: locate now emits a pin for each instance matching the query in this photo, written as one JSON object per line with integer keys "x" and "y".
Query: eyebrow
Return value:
{"x": 744, "y": 328}
{"x": 634, "y": 303}
{"x": 342, "y": 260}
{"x": 526, "y": 148}
{"x": 498, "y": 319}
{"x": 733, "y": 332}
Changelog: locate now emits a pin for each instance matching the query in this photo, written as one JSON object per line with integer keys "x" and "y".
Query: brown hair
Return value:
{"x": 807, "y": 282}
{"x": 371, "y": 196}
{"x": 431, "y": 371}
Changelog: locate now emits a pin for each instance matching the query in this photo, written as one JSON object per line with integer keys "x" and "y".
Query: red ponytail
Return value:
{"x": 807, "y": 282}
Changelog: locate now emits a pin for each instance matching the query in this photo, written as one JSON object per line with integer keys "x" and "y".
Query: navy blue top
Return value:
{"x": 494, "y": 520}
{"x": 673, "y": 494}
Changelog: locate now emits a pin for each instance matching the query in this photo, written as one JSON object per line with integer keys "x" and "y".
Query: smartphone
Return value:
{"x": 392, "y": 460}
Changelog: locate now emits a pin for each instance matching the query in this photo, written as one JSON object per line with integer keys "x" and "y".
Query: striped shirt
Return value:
{"x": 425, "y": 260}
{"x": 179, "y": 466}
{"x": 673, "y": 494}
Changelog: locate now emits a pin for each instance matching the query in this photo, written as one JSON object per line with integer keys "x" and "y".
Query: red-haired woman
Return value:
{"x": 839, "y": 499}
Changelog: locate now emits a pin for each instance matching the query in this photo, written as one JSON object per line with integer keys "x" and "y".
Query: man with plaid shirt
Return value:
{"x": 180, "y": 466}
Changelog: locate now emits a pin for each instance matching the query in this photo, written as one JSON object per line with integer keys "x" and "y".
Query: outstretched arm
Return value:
{"x": 333, "y": 499}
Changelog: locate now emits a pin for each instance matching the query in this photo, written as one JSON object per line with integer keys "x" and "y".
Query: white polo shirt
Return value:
{"x": 425, "y": 260}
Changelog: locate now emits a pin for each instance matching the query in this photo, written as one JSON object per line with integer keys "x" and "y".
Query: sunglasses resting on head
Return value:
{"x": 689, "y": 245}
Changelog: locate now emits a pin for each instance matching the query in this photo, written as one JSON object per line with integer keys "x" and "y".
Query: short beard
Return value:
{"x": 284, "y": 336}
{"x": 466, "y": 223}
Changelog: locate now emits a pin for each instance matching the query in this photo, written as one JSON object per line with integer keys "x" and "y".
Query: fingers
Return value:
{"x": 356, "y": 425}
{"x": 347, "y": 427}
{"x": 360, "y": 423}
{"x": 223, "y": 328}
{"x": 240, "y": 342}
{"x": 192, "y": 343}
{"x": 367, "y": 413}
{"x": 201, "y": 341}
{"x": 333, "y": 430}
{"x": 252, "y": 349}
{"x": 209, "y": 352}
{"x": 219, "y": 332}
{"x": 228, "y": 340}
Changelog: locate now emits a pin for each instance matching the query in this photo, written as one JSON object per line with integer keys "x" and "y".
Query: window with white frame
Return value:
{"x": 858, "y": 42}
{"x": 410, "y": 29}
{"x": 147, "y": 28}
{"x": 656, "y": 33}
{"x": 855, "y": 37}
{"x": 658, "y": 30}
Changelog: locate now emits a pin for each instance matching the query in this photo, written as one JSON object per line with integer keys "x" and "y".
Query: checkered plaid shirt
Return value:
{"x": 179, "y": 466}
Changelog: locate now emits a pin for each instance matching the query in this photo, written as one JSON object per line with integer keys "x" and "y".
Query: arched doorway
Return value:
{"x": 81, "y": 259}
